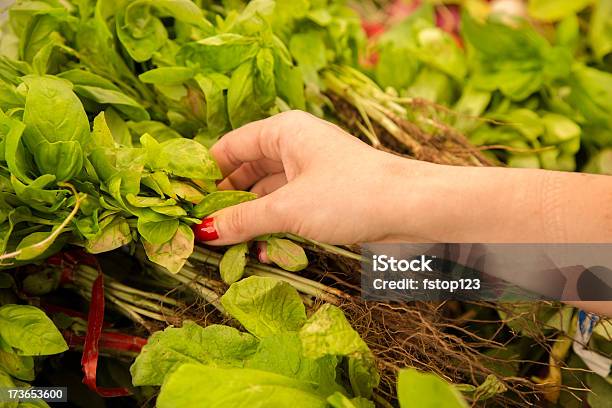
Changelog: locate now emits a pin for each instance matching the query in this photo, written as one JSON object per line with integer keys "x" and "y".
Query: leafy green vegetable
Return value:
{"x": 328, "y": 332}
{"x": 426, "y": 390}
{"x": 219, "y": 200}
{"x": 286, "y": 254}
{"x": 29, "y": 331}
{"x": 233, "y": 387}
{"x": 233, "y": 262}
{"x": 264, "y": 306}
{"x": 169, "y": 349}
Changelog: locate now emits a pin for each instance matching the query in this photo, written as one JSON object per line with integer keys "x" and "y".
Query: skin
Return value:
{"x": 317, "y": 181}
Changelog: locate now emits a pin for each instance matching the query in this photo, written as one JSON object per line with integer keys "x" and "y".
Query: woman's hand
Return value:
{"x": 313, "y": 179}
{"x": 317, "y": 181}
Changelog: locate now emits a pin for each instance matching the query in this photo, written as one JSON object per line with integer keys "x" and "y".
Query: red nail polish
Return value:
{"x": 206, "y": 231}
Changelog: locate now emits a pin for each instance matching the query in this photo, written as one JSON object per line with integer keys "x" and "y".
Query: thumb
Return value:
{"x": 238, "y": 223}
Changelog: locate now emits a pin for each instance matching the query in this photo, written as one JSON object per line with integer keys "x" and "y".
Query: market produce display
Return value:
{"x": 537, "y": 92}
{"x": 107, "y": 111}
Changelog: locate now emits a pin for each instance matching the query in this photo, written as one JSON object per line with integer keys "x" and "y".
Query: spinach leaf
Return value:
{"x": 600, "y": 29}
{"x": 219, "y": 200}
{"x": 328, "y": 332}
{"x": 234, "y": 387}
{"x": 167, "y": 350}
{"x": 415, "y": 388}
{"x": 282, "y": 354}
{"x": 29, "y": 331}
{"x": 286, "y": 254}
{"x": 265, "y": 306}
{"x": 16, "y": 156}
{"x": 233, "y": 262}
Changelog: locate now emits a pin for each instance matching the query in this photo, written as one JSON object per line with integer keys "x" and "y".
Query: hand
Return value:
{"x": 313, "y": 179}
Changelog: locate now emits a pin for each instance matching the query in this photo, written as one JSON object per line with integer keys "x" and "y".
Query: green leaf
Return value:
{"x": 15, "y": 155}
{"x": 167, "y": 350}
{"x": 187, "y": 158}
{"x": 282, "y": 354}
{"x": 337, "y": 400}
{"x": 328, "y": 332}
{"x": 220, "y": 53}
{"x": 117, "y": 99}
{"x": 219, "y": 200}
{"x": 265, "y": 306}
{"x": 265, "y": 86}
{"x": 20, "y": 367}
{"x": 308, "y": 49}
{"x": 101, "y": 135}
{"x": 559, "y": 129}
{"x": 427, "y": 390}
{"x": 233, "y": 387}
{"x": 53, "y": 112}
{"x": 242, "y": 106}
{"x": 591, "y": 93}
{"x": 29, "y": 331}
{"x": 7, "y": 382}
{"x": 554, "y": 10}
{"x": 167, "y": 75}
{"x": 146, "y": 202}
{"x": 37, "y": 245}
{"x": 286, "y": 254}
{"x": 114, "y": 235}
{"x": 63, "y": 159}
{"x": 233, "y": 262}
{"x": 139, "y": 31}
{"x": 157, "y": 232}
{"x": 213, "y": 87}
{"x": 290, "y": 84}
{"x": 600, "y": 29}
{"x": 173, "y": 254}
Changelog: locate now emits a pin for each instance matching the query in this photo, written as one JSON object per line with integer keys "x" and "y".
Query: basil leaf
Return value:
{"x": 172, "y": 254}
{"x": 113, "y": 236}
{"x": 139, "y": 31}
{"x": 232, "y": 387}
{"x": 242, "y": 106}
{"x": 7, "y": 382}
{"x": 553, "y": 10}
{"x": 337, "y": 400}
{"x": 167, "y": 350}
{"x": 157, "y": 232}
{"x": 286, "y": 254}
{"x": 20, "y": 367}
{"x": 219, "y": 200}
{"x": 189, "y": 159}
{"x": 220, "y": 53}
{"x": 265, "y": 306}
{"x": 29, "y": 331}
{"x": 233, "y": 262}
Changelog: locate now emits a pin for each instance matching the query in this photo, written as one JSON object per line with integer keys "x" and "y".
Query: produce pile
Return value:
{"x": 530, "y": 81}
{"x": 107, "y": 111}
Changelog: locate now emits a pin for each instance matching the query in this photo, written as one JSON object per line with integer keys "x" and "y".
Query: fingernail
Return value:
{"x": 206, "y": 231}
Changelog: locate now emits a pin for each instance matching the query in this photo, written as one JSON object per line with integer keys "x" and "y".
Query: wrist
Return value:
{"x": 438, "y": 203}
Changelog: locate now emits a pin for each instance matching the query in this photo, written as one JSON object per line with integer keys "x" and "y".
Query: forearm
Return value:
{"x": 468, "y": 204}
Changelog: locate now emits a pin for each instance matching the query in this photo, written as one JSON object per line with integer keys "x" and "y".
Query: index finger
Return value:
{"x": 251, "y": 142}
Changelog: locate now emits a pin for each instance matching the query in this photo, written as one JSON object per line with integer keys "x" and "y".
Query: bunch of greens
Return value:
{"x": 132, "y": 178}
{"x": 283, "y": 358}
{"x": 543, "y": 91}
